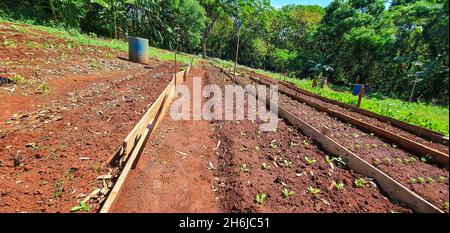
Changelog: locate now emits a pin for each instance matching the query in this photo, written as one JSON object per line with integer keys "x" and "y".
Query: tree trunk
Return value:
{"x": 206, "y": 34}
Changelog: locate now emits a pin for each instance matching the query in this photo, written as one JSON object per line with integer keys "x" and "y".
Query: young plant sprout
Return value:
{"x": 412, "y": 181}
{"x": 338, "y": 186}
{"x": 310, "y": 161}
{"x": 421, "y": 180}
{"x": 264, "y": 166}
{"x": 287, "y": 193}
{"x": 442, "y": 179}
{"x": 376, "y": 161}
{"x": 245, "y": 168}
{"x": 360, "y": 183}
{"x": 287, "y": 163}
{"x": 430, "y": 180}
{"x": 399, "y": 160}
{"x": 313, "y": 191}
{"x": 260, "y": 198}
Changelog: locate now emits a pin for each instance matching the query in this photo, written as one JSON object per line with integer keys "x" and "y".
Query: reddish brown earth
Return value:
{"x": 172, "y": 175}
{"x": 397, "y": 163}
{"x": 242, "y": 143}
{"x": 54, "y": 146}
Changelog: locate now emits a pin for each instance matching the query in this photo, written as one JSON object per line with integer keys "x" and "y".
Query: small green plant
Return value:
{"x": 82, "y": 206}
{"x": 19, "y": 79}
{"x": 412, "y": 180}
{"x": 413, "y": 159}
{"x": 257, "y": 148}
{"x": 43, "y": 88}
{"x": 293, "y": 144}
{"x": 442, "y": 179}
{"x": 360, "y": 183}
{"x": 376, "y": 161}
{"x": 338, "y": 186}
{"x": 260, "y": 198}
{"x": 264, "y": 166}
{"x": 430, "y": 180}
{"x": 310, "y": 161}
{"x": 313, "y": 191}
{"x": 287, "y": 193}
{"x": 245, "y": 168}
{"x": 243, "y": 134}
{"x": 58, "y": 193}
{"x": 399, "y": 160}
{"x": 446, "y": 206}
{"x": 287, "y": 163}
{"x": 388, "y": 160}
{"x": 95, "y": 64}
{"x": 273, "y": 145}
{"x": 421, "y": 180}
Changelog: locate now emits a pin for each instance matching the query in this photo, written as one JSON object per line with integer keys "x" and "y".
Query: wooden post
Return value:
{"x": 413, "y": 89}
{"x": 237, "y": 51}
{"x": 361, "y": 94}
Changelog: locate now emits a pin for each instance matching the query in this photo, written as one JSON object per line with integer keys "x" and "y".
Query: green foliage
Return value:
{"x": 287, "y": 163}
{"x": 265, "y": 166}
{"x": 338, "y": 186}
{"x": 82, "y": 206}
{"x": 310, "y": 161}
{"x": 360, "y": 183}
{"x": 313, "y": 191}
{"x": 245, "y": 168}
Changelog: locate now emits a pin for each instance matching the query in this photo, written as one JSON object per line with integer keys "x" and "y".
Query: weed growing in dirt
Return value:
{"x": 58, "y": 193}
{"x": 310, "y": 161}
{"x": 82, "y": 206}
{"x": 287, "y": 193}
{"x": 360, "y": 183}
{"x": 260, "y": 198}
{"x": 264, "y": 166}
{"x": 245, "y": 168}
{"x": 313, "y": 191}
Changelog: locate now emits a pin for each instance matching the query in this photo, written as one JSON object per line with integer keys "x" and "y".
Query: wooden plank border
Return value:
{"x": 393, "y": 189}
{"x": 129, "y": 153}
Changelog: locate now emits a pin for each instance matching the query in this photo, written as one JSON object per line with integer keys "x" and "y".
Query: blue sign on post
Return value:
{"x": 356, "y": 89}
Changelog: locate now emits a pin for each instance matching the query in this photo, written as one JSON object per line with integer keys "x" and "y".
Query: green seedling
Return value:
{"x": 95, "y": 64}
{"x": 399, "y": 160}
{"x": 287, "y": 193}
{"x": 412, "y": 181}
{"x": 19, "y": 79}
{"x": 293, "y": 144}
{"x": 310, "y": 161}
{"x": 360, "y": 183}
{"x": 257, "y": 148}
{"x": 340, "y": 162}
{"x": 394, "y": 146}
{"x": 243, "y": 134}
{"x": 273, "y": 145}
{"x": 446, "y": 206}
{"x": 82, "y": 206}
{"x": 376, "y": 161}
{"x": 58, "y": 193}
{"x": 421, "y": 180}
{"x": 313, "y": 191}
{"x": 329, "y": 159}
{"x": 245, "y": 168}
{"x": 264, "y": 166}
{"x": 243, "y": 149}
{"x": 287, "y": 163}
{"x": 43, "y": 88}
{"x": 338, "y": 186}
{"x": 260, "y": 198}
{"x": 426, "y": 159}
{"x": 430, "y": 180}
{"x": 413, "y": 159}
{"x": 388, "y": 160}
{"x": 442, "y": 179}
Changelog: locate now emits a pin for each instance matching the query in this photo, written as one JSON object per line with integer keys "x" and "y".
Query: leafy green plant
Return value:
{"x": 338, "y": 186}
{"x": 442, "y": 179}
{"x": 287, "y": 193}
{"x": 388, "y": 160}
{"x": 245, "y": 168}
{"x": 260, "y": 198}
{"x": 273, "y": 145}
{"x": 313, "y": 191}
{"x": 376, "y": 161}
{"x": 43, "y": 88}
{"x": 360, "y": 183}
{"x": 421, "y": 180}
{"x": 412, "y": 180}
{"x": 310, "y": 161}
{"x": 287, "y": 163}
{"x": 19, "y": 79}
{"x": 264, "y": 166}
{"x": 82, "y": 206}
{"x": 446, "y": 206}
{"x": 399, "y": 160}
{"x": 430, "y": 180}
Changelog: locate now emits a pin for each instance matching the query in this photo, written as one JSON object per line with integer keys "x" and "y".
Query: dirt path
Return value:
{"x": 172, "y": 175}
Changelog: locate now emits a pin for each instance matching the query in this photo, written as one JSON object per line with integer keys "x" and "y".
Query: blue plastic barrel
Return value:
{"x": 357, "y": 89}
{"x": 138, "y": 49}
